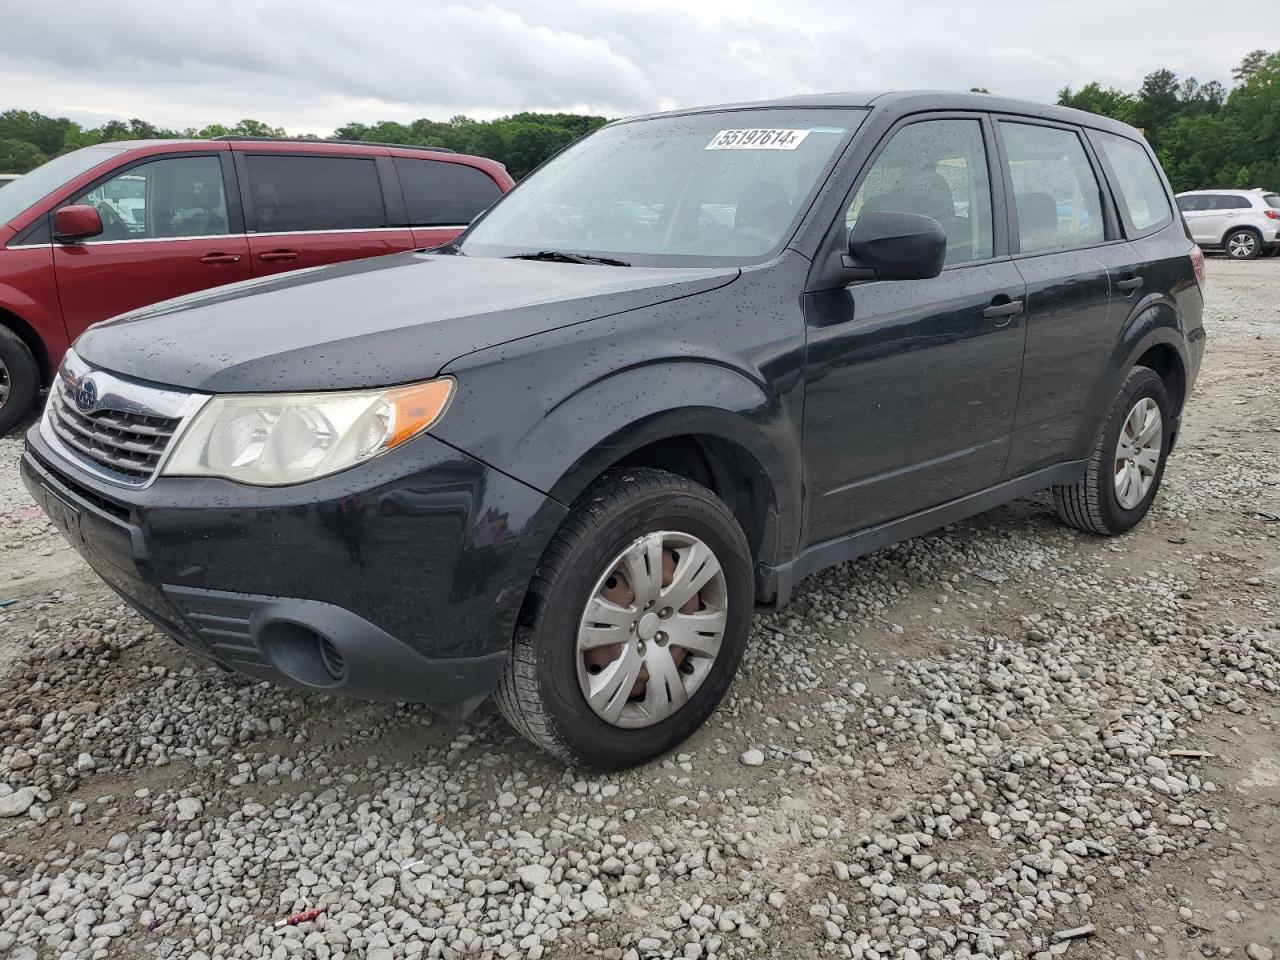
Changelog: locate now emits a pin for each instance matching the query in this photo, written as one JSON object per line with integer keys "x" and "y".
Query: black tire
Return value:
{"x": 18, "y": 371}
{"x": 1242, "y": 244}
{"x": 540, "y": 694}
{"x": 1090, "y": 503}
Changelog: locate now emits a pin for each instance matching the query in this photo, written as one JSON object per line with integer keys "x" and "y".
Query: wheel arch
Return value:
{"x": 1236, "y": 229}
{"x": 710, "y": 447}
{"x": 33, "y": 341}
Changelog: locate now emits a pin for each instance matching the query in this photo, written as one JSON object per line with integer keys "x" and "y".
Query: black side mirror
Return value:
{"x": 897, "y": 246}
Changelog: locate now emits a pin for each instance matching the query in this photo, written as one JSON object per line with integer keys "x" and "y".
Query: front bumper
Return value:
{"x": 400, "y": 579}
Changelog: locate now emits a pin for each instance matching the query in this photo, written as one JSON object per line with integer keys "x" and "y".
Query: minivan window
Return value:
{"x": 1140, "y": 188}
{"x": 707, "y": 188}
{"x": 45, "y": 179}
{"x": 173, "y": 197}
{"x": 1058, "y": 200}
{"x": 292, "y": 193}
{"x": 438, "y": 193}
{"x": 938, "y": 169}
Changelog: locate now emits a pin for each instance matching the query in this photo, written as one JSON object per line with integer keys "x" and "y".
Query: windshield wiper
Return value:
{"x": 560, "y": 256}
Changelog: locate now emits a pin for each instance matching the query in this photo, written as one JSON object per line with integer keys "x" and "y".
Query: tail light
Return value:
{"x": 1197, "y": 264}
{"x": 1272, "y": 214}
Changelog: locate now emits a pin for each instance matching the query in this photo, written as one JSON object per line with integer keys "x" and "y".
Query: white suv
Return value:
{"x": 1243, "y": 223}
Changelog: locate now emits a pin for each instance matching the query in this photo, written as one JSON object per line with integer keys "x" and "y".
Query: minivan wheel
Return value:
{"x": 1242, "y": 245}
{"x": 19, "y": 380}
{"x": 1127, "y": 464}
{"x": 634, "y": 624}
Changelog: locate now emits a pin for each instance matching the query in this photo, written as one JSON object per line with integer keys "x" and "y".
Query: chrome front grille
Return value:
{"x": 129, "y": 443}
{"x": 116, "y": 429}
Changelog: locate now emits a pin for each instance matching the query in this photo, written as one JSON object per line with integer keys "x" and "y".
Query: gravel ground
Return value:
{"x": 1006, "y": 739}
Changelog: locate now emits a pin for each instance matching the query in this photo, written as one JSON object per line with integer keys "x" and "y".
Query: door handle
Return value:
{"x": 1007, "y": 309}
{"x": 213, "y": 259}
{"x": 272, "y": 256}
{"x": 1129, "y": 284}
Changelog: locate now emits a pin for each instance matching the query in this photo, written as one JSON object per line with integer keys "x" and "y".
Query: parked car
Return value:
{"x": 568, "y": 475}
{"x": 8, "y": 178}
{"x": 1242, "y": 223}
{"x": 118, "y": 226}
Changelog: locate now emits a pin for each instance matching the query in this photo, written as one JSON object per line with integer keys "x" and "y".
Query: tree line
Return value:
{"x": 521, "y": 141}
{"x": 1206, "y": 135}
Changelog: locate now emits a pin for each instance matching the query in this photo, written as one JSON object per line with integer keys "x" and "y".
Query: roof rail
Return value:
{"x": 239, "y": 138}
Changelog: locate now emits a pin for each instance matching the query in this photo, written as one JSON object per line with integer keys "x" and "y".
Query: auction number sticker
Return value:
{"x": 757, "y": 139}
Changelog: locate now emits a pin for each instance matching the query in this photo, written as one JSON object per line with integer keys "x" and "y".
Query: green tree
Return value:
{"x": 19, "y": 156}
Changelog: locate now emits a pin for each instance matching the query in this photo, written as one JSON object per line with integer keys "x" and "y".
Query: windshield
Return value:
{"x": 710, "y": 188}
{"x": 44, "y": 180}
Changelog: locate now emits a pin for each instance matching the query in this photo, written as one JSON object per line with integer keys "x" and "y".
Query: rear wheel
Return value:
{"x": 1242, "y": 245}
{"x": 19, "y": 380}
{"x": 635, "y": 622}
{"x": 1128, "y": 460}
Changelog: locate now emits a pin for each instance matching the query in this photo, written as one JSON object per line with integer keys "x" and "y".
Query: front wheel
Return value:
{"x": 19, "y": 380}
{"x": 1127, "y": 464}
{"x": 635, "y": 622}
{"x": 1242, "y": 245}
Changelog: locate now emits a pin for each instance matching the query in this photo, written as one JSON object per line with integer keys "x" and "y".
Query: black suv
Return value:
{"x": 689, "y": 361}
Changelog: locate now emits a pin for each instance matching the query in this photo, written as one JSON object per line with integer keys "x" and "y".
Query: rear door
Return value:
{"x": 307, "y": 209}
{"x": 1070, "y": 252}
{"x": 171, "y": 226}
{"x": 441, "y": 197}
{"x": 1197, "y": 212}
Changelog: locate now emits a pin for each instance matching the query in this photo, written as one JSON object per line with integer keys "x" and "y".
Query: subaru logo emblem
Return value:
{"x": 87, "y": 395}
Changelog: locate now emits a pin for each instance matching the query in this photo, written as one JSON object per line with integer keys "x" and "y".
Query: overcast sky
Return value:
{"x": 310, "y": 65}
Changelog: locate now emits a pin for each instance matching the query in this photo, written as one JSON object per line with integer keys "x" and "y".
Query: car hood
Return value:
{"x": 369, "y": 323}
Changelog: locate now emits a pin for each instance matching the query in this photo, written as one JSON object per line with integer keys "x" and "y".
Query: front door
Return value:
{"x": 911, "y": 386}
{"x": 166, "y": 232}
{"x": 307, "y": 210}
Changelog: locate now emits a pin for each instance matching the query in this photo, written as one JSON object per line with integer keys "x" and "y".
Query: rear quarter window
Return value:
{"x": 1272, "y": 200}
{"x": 438, "y": 193}
{"x": 1142, "y": 198}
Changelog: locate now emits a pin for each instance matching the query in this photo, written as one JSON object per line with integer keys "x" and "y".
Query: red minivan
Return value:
{"x": 114, "y": 227}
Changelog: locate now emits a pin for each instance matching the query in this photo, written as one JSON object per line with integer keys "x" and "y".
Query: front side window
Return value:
{"x": 1138, "y": 182}
{"x": 1189, "y": 204}
{"x": 162, "y": 199}
{"x": 438, "y": 193}
{"x": 295, "y": 193}
{"x": 20, "y": 194}
{"x": 700, "y": 189}
{"x": 938, "y": 169}
{"x": 1056, "y": 194}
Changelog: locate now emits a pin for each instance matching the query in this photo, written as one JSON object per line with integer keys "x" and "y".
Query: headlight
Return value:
{"x": 280, "y": 438}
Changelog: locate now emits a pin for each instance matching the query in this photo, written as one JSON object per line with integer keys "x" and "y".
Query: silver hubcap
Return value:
{"x": 652, "y": 629}
{"x": 1138, "y": 453}
{"x": 4, "y": 383}
{"x": 1241, "y": 245}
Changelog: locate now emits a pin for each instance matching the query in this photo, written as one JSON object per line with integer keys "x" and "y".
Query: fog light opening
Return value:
{"x": 303, "y": 654}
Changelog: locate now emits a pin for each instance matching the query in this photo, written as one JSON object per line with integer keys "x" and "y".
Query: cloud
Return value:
{"x": 315, "y": 64}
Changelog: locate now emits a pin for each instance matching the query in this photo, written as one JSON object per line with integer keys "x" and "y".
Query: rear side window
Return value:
{"x": 438, "y": 193}
{"x": 1055, "y": 192}
{"x": 292, "y": 193}
{"x": 938, "y": 169}
{"x": 1224, "y": 201}
{"x": 1141, "y": 192}
{"x": 1273, "y": 200}
{"x": 169, "y": 198}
